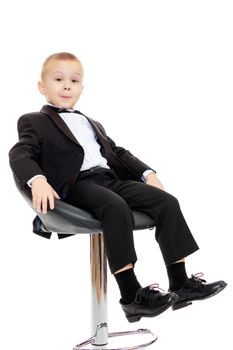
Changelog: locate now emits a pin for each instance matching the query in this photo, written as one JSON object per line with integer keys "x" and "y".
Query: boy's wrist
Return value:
{"x": 146, "y": 173}
{"x": 29, "y": 182}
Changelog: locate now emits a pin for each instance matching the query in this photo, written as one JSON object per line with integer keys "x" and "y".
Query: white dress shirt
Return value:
{"x": 86, "y": 136}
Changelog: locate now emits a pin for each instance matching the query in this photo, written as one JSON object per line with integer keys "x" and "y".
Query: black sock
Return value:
{"x": 128, "y": 284}
{"x": 176, "y": 275}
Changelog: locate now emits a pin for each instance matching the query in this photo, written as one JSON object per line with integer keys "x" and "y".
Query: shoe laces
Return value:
{"x": 197, "y": 278}
{"x": 147, "y": 293}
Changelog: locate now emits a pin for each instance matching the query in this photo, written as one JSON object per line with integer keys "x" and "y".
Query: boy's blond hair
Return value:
{"x": 64, "y": 56}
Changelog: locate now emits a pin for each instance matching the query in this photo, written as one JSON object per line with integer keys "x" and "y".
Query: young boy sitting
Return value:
{"x": 63, "y": 154}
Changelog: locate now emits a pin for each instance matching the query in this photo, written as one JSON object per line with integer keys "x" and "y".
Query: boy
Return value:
{"x": 63, "y": 154}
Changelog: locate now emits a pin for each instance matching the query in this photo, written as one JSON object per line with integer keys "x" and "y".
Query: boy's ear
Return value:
{"x": 41, "y": 87}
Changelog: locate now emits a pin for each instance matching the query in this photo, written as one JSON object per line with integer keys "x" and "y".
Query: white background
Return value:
{"x": 158, "y": 76}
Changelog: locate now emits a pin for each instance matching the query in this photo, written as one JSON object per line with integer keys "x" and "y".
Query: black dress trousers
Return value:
{"x": 110, "y": 199}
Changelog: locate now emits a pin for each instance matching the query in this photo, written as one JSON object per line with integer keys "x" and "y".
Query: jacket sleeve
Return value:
{"x": 126, "y": 158}
{"x": 25, "y": 154}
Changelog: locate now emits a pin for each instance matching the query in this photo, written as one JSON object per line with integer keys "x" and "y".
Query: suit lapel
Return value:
{"x": 59, "y": 122}
{"x": 100, "y": 133}
{"x": 97, "y": 129}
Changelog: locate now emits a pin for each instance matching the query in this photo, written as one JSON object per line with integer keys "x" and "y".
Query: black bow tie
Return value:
{"x": 63, "y": 110}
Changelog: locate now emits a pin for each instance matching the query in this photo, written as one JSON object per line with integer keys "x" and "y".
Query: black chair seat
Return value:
{"x": 67, "y": 219}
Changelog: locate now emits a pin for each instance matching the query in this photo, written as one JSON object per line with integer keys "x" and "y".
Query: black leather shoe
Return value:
{"x": 196, "y": 288}
{"x": 148, "y": 302}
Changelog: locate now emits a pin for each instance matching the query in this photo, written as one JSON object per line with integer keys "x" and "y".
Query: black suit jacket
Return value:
{"x": 46, "y": 146}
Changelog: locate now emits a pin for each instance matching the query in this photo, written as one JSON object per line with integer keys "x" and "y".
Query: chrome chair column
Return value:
{"x": 99, "y": 316}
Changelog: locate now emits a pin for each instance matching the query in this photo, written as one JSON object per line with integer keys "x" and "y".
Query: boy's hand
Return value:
{"x": 42, "y": 195}
{"x": 152, "y": 180}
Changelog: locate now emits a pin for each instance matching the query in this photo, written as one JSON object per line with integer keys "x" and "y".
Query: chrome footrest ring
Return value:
{"x": 119, "y": 334}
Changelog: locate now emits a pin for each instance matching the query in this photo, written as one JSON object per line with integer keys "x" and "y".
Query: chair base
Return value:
{"x": 91, "y": 341}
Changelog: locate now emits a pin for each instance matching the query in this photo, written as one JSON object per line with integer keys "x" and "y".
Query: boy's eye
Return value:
{"x": 75, "y": 81}
{"x": 58, "y": 79}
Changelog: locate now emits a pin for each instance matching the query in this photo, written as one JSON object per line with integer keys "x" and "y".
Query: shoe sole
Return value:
{"x": 136, "y": 318}
{"x": 179, "y": 305}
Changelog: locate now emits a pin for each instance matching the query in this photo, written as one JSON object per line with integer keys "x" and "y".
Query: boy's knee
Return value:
{"x": 171, "y": 201}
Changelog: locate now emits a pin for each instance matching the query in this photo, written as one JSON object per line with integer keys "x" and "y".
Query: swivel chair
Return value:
{"x": 66, "y": 220}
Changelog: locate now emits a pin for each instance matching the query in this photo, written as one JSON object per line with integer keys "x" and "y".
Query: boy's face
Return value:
{"x": 62, "y": 83}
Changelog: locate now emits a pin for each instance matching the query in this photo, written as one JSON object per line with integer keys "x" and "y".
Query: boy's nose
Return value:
{"x": 67, "y": 85}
